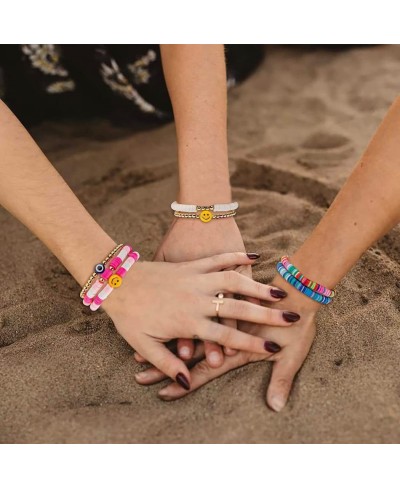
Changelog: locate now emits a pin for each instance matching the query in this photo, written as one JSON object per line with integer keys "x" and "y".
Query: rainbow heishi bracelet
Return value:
{"x": 286, "y": 270}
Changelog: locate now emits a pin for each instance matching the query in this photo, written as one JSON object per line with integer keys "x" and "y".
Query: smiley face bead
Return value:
{"x": 99, "y": 268}
{"x": 115, "y": 281}
{"x": 206, "y": 216}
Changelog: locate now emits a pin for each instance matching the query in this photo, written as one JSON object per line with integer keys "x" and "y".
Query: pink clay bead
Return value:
{"x": 106, "y": 273}
{"x": 87, "y": 301}
{"x": 121, "y": 272}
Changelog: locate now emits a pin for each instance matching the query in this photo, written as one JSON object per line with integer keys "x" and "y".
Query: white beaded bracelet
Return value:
{"x": 218, "y": 207}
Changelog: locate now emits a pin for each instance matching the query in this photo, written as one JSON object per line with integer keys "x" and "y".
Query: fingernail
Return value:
{"x": 164, "y": 395}
{"x": 141, "y": 376}
{"x": 277, "y": 293}
{"x": 253, "y": 255}
{"x": 277, "y": 403}
{"x": 291, "y": 316}
{"x": 184, "y": 352}
{"x": 214, "y": 358}
{"x": 272, "y": 346}
{"x": 183, "y": 381}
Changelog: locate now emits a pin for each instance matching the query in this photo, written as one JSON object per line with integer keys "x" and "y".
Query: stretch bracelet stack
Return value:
{"x": 312, "y": 289}
{"x": 109, "y": 275}
{"x": 205, "y": 213}
{"x": 99, "y": 268}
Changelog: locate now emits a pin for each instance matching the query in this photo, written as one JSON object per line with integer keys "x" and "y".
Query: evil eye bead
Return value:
{"x": 99, "y": 268}
{"x": 115, "y": 281}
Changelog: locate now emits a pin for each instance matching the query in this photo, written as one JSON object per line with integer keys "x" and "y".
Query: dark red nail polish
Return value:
{"x": 271, "y": 346}
{"x": 291, "y": 316}
{"x": 253, "y": 255}
{"x": 276, "y": 293}
{"x": 183, "y": 381}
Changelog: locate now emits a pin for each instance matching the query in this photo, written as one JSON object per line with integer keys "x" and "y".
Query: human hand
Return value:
{"x": 163, "y": 301}
{"x": 190, "y": 239}
{"x": 295, "y": 343}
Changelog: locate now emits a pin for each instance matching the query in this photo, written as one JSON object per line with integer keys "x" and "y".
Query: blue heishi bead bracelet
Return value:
{"x": 300, "y": 287}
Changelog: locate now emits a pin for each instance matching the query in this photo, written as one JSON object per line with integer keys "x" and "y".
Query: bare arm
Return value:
{"x": 366, "y": 208}
{"x": 33, "y": 191}
{"x": 196, "y": 79}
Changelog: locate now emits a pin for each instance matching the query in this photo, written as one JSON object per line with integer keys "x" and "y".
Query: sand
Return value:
{"x": 296, "y": 128}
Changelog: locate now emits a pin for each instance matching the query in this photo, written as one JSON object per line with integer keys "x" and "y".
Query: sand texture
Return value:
{"x": 296, "y": 129}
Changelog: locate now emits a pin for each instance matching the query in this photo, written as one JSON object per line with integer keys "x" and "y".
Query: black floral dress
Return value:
{"x": 122, "y": 82}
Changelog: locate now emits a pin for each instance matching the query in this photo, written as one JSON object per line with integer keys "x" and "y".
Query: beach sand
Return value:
{"x": 296, "y": 129}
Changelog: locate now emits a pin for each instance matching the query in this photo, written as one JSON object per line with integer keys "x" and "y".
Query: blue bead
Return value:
{"x": 99, "y": 268}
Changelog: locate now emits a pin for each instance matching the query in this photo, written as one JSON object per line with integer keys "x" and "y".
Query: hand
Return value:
{"x": 190, "y": 239}
{"x": 159, "y": 302}
{"x": 295, "y": 344}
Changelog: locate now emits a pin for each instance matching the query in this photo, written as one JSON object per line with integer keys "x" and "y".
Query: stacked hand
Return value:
{"x": 187, "y": 240}
{"x": 163, "y": 301}
{"x": 295, "y": 342}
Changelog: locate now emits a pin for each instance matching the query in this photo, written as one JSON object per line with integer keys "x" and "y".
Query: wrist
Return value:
{"x": 299, "y": 302}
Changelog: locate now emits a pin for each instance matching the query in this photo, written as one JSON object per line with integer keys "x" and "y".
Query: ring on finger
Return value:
{"x": 219, "y": 300}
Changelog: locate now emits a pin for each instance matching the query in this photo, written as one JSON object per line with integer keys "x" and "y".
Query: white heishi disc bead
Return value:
{"x": 124, "y": 252}
{"x": 93, "y": 290}
{"x": 128, "y": 263}
{"x": 94, "y": 307}
{"x": 105, "y": 292}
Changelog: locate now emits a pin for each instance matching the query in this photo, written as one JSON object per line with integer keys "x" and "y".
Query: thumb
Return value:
{"x": 283, "y": 373}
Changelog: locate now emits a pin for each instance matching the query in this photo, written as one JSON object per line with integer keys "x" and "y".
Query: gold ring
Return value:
{"x": 218, "y": 301}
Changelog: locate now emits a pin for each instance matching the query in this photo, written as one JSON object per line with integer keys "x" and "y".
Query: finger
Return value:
{"x": 235, "y": 339}
{"x": 223, "y": 261}
{"x": 233, "y": 282}
{"x": 185, "y": 348}
{"x": 229, "y": 323}
{"x": 214, "y": 354}
{"x": 283, "y": 373}
{"x": 163, "y": 359}
{"x": 153, "y": 375}
{"x": 139, "y": 358}
{"x": 250, "y": 312}
{"x": 202, "y": 373}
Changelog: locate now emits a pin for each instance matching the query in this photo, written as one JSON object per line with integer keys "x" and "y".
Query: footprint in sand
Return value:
{"x": 324, "y": 148}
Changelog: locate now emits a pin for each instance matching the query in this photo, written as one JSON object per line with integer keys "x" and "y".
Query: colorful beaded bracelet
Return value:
{"x": 115, "y": 281}
{"x": 287, "y": 276}
{"x": 110, "y": 277}
{"x": 313, "y": 285}
{"x": 205, "y": 213}
{"x": 99, "y": 268}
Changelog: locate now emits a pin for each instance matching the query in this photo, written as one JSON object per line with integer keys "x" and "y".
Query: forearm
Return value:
{"x": 196, "y": 80}
{"x": 34, "y": 192}
{"x": 366, "y": 208}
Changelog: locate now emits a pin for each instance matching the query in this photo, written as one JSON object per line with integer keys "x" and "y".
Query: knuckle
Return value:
{"x": 283, "y": 383}
{"x": 202, "y": 369}
{"x": 230, "y": 279}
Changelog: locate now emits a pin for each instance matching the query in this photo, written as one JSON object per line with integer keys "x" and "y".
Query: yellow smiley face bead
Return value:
{"x": 115, "y": 281}
{"x": 206, "y": 216}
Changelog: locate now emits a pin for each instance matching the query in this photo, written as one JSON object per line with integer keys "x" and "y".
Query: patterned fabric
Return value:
{"x": 123, "y": 82}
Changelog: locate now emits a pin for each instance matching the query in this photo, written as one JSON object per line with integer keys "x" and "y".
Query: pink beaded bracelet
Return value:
{"x": 110, "y": 277}
{"x": 115, "y": 281}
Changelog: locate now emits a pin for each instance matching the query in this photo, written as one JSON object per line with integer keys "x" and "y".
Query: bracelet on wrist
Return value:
{"x": 108, "y": 275}
{"x": 312, "y": 289}
{"x": 205, "y": 213}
